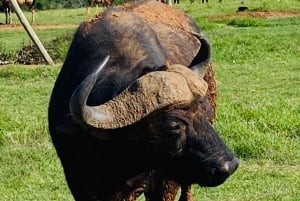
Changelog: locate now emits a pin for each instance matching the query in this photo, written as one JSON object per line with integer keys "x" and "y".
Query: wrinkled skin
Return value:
{"x": 173, "y": 145}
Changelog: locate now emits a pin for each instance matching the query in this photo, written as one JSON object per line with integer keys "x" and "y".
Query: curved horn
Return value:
{"x": 80, "y": 95}
{"x": 200, "y": 64}
{"x": 154, "y": 91}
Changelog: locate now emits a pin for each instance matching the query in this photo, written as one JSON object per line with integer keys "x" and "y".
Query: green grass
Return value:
{"x": 258, "y": 114}
{"x": 55, "y": 16}
{"x": 14, "y": 40}
{"x": 29, "y": 166}
{"x": 68, "y": 20}
{"x": 256, "y": 181}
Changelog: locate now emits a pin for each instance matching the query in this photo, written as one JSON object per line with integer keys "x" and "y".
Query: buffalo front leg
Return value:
{"x": 133, "y": 188}
{"x": 186, "y": 193}
{"x": 161, "y": 189}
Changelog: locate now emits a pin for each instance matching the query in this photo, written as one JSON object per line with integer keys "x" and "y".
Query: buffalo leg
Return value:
{"x": 161, "y": 189}
{"x": 186, "y": 193}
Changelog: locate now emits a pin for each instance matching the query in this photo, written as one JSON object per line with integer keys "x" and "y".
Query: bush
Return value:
{"x": 52, "y": 4}
{"x": 58, "y": 47}
{"x": 29, "y": 53}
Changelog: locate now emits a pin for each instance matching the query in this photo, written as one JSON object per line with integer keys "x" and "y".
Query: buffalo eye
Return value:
{"x": 174, "y": 131}
{"x": 174, "y": 128}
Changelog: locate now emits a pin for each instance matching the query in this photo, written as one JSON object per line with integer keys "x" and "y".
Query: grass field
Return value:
{"x": 257, "y": 63}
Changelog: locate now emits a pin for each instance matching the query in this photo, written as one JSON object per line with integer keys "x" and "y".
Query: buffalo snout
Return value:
{"x": 227, "y": 167}
{"x": 205, "y": 160}
{"x": 216, "y": 175}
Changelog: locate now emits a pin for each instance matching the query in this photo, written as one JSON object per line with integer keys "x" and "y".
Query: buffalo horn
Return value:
{"x": 77, "y": 104}
{"x": 154, "y": 91}
{"x": 204, "y": 56}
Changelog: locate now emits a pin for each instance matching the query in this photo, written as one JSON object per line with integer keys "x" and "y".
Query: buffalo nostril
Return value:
{"x": 230, "y": 167}
{"x": 226, "y": 166}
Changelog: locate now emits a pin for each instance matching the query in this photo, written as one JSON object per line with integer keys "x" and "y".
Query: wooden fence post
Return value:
{"x": 31, "y": 32}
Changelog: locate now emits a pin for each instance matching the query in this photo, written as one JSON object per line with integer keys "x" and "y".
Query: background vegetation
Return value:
{"x": 258, "y": 78}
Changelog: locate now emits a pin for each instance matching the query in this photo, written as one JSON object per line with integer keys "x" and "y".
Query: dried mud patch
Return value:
{"x": 260, "y": 14}
{"x": 14, "y": 27}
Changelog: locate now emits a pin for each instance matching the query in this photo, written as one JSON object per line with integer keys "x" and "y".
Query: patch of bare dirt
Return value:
{"x": 261, "y": 14}
{"x": 8, "y": 27}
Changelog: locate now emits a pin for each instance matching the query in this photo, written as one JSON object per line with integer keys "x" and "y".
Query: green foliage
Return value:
{"x": 53, "y": 4}
{"x": 58, "y": 47}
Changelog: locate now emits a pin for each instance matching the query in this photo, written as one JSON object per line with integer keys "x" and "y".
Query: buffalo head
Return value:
{"x": 177, "y": 115}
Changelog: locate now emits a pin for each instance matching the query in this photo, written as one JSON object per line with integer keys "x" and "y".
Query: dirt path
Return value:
{"x": 4, "y": 27}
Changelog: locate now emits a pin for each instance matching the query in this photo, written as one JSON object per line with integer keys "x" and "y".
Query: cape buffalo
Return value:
{"x": 130, "y": 112}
